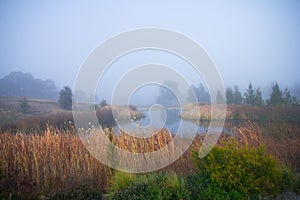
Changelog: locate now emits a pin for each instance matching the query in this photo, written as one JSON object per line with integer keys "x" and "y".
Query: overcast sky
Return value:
{"x": 257, "y": 41}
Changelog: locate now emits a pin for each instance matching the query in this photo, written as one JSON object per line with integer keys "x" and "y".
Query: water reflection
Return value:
{"x": 172, "y": 122}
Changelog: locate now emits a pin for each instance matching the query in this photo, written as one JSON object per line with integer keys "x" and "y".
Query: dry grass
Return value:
{"x": 282, "y": 140}
{"x": 241, "y": 112}
{"x": 44, "y": 164}
{"x": 62, "y": 120}
{"x": 56, "y": 159}
{"x": 194, "y": 111}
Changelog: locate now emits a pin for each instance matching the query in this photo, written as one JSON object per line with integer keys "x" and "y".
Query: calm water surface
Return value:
{"x": 172, "y": 122}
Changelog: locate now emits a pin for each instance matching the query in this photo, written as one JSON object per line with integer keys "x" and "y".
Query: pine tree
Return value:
{"x": 276, "y": 97}
{"x": 229, "y": 96}
{"x": 238, "y": 98}
{"x": 220, "y": 99}
{"x": 250, "y": 95}
{"x": 259, "y": 101}
{"x": 288, "y": 98}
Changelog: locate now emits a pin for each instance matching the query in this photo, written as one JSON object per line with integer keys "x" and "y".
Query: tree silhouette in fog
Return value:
{"x": 166, "y": 96}
{"x": 65, "y": 98}
{"x": 24, "y": 84}
{"x": 250, "y": 95}
{"x": 234, "y": 96}
{"x": 24, "y": 105}
{"x": 278, "y": 97}
{"x": 201, "y": 94}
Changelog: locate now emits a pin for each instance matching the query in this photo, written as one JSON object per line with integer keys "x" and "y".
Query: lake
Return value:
{"x": 171, "y": 118}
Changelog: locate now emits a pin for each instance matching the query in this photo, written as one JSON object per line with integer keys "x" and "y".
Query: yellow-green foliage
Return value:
{"x": 120, "y": 180}
{"x": 148, "y": 186}
{"x": 243, "y": 169}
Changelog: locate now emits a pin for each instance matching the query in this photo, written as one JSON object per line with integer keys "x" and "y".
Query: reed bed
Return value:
{"x": 282, "y": 140}
{"x": 242, "y": 112}
{"x": 42, "y": 164}
{"x": 56, "y": 159}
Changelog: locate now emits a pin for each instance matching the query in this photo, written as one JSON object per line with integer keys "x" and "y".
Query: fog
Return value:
{"x": 253, "y": 41}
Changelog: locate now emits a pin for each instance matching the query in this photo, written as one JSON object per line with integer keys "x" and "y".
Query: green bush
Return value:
{"x": 121, "y": 180}
{"x": 80, "y": 193}
{"x": 289, "y": 180}
{"x": 150, "y": 186}
{"x": 297, "y": 186}
{"x": 201, "y": 187}
{"x": 227, "y": 172}
{"x": 133, "y": 192}
{"x": 237, "y": 171}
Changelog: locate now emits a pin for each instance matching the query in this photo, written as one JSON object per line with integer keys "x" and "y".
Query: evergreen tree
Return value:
{"x": 166, "y": 96}
{"x": 276, "y": 97}
{"x": 238, "y": 98}
{"x": 250, "y": 95}
{"x": 229, "y": 96}
{"x": 288, "y": 98}
{"x": 220, "y": 99}
{"x": 259, "y": 101}
{"x": 65, "y": 98}
{"x": 201, "y": 94}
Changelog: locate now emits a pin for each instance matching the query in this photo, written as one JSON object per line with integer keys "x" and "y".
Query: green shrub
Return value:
{"x": 80, "y": 193}
{"x": 201, "y": 187}
{"x": 150, "y": 186}
{"x": 215, "y": 192}
{"x": 121, "y": 180}
{"x": 297, "y": 186}
{"x": 288, "y": 181}
{"x": 196, "y": 183}
{"x": 133, "y": 192}
{"x": 235, "y": 171}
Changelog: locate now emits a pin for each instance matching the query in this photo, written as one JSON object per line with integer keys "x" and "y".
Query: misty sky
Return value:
{"x": 256, "y": 41}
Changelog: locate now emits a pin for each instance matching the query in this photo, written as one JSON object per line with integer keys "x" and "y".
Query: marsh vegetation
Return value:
{"x": 49, "y": 159}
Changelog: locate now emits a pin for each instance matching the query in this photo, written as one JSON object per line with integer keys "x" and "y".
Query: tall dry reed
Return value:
{"x": 57, "y": 160}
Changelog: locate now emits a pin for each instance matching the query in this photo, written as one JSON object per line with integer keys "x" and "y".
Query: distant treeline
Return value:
{"x": 21, "y": 84}
{"x": 251, "y": 96}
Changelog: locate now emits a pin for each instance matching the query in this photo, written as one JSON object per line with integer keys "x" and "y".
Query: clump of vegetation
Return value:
{"x": 24, "y": 105}
{"x": 79, "y": 193}
{"x": 54, "y": 160}
{"x": 65, "y": 98}
{"x": 279, "y": 97}
{"x": 103, "y": 103}
{"x": 228, "y": 172}
{"x": 149, "y": 186}
{"x": 202, "y": 187}
{"x": 236, "y": 172}
{"x": 297, "y": 186}
{"x": 253, "y": 97}
{"x": 44, "y": 164}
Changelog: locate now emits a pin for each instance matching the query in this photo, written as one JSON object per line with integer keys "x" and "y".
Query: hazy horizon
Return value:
{"x": 253, "y": 41}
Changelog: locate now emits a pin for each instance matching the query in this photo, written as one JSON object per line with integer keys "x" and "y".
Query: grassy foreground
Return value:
{"x": 55, "y": 160}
